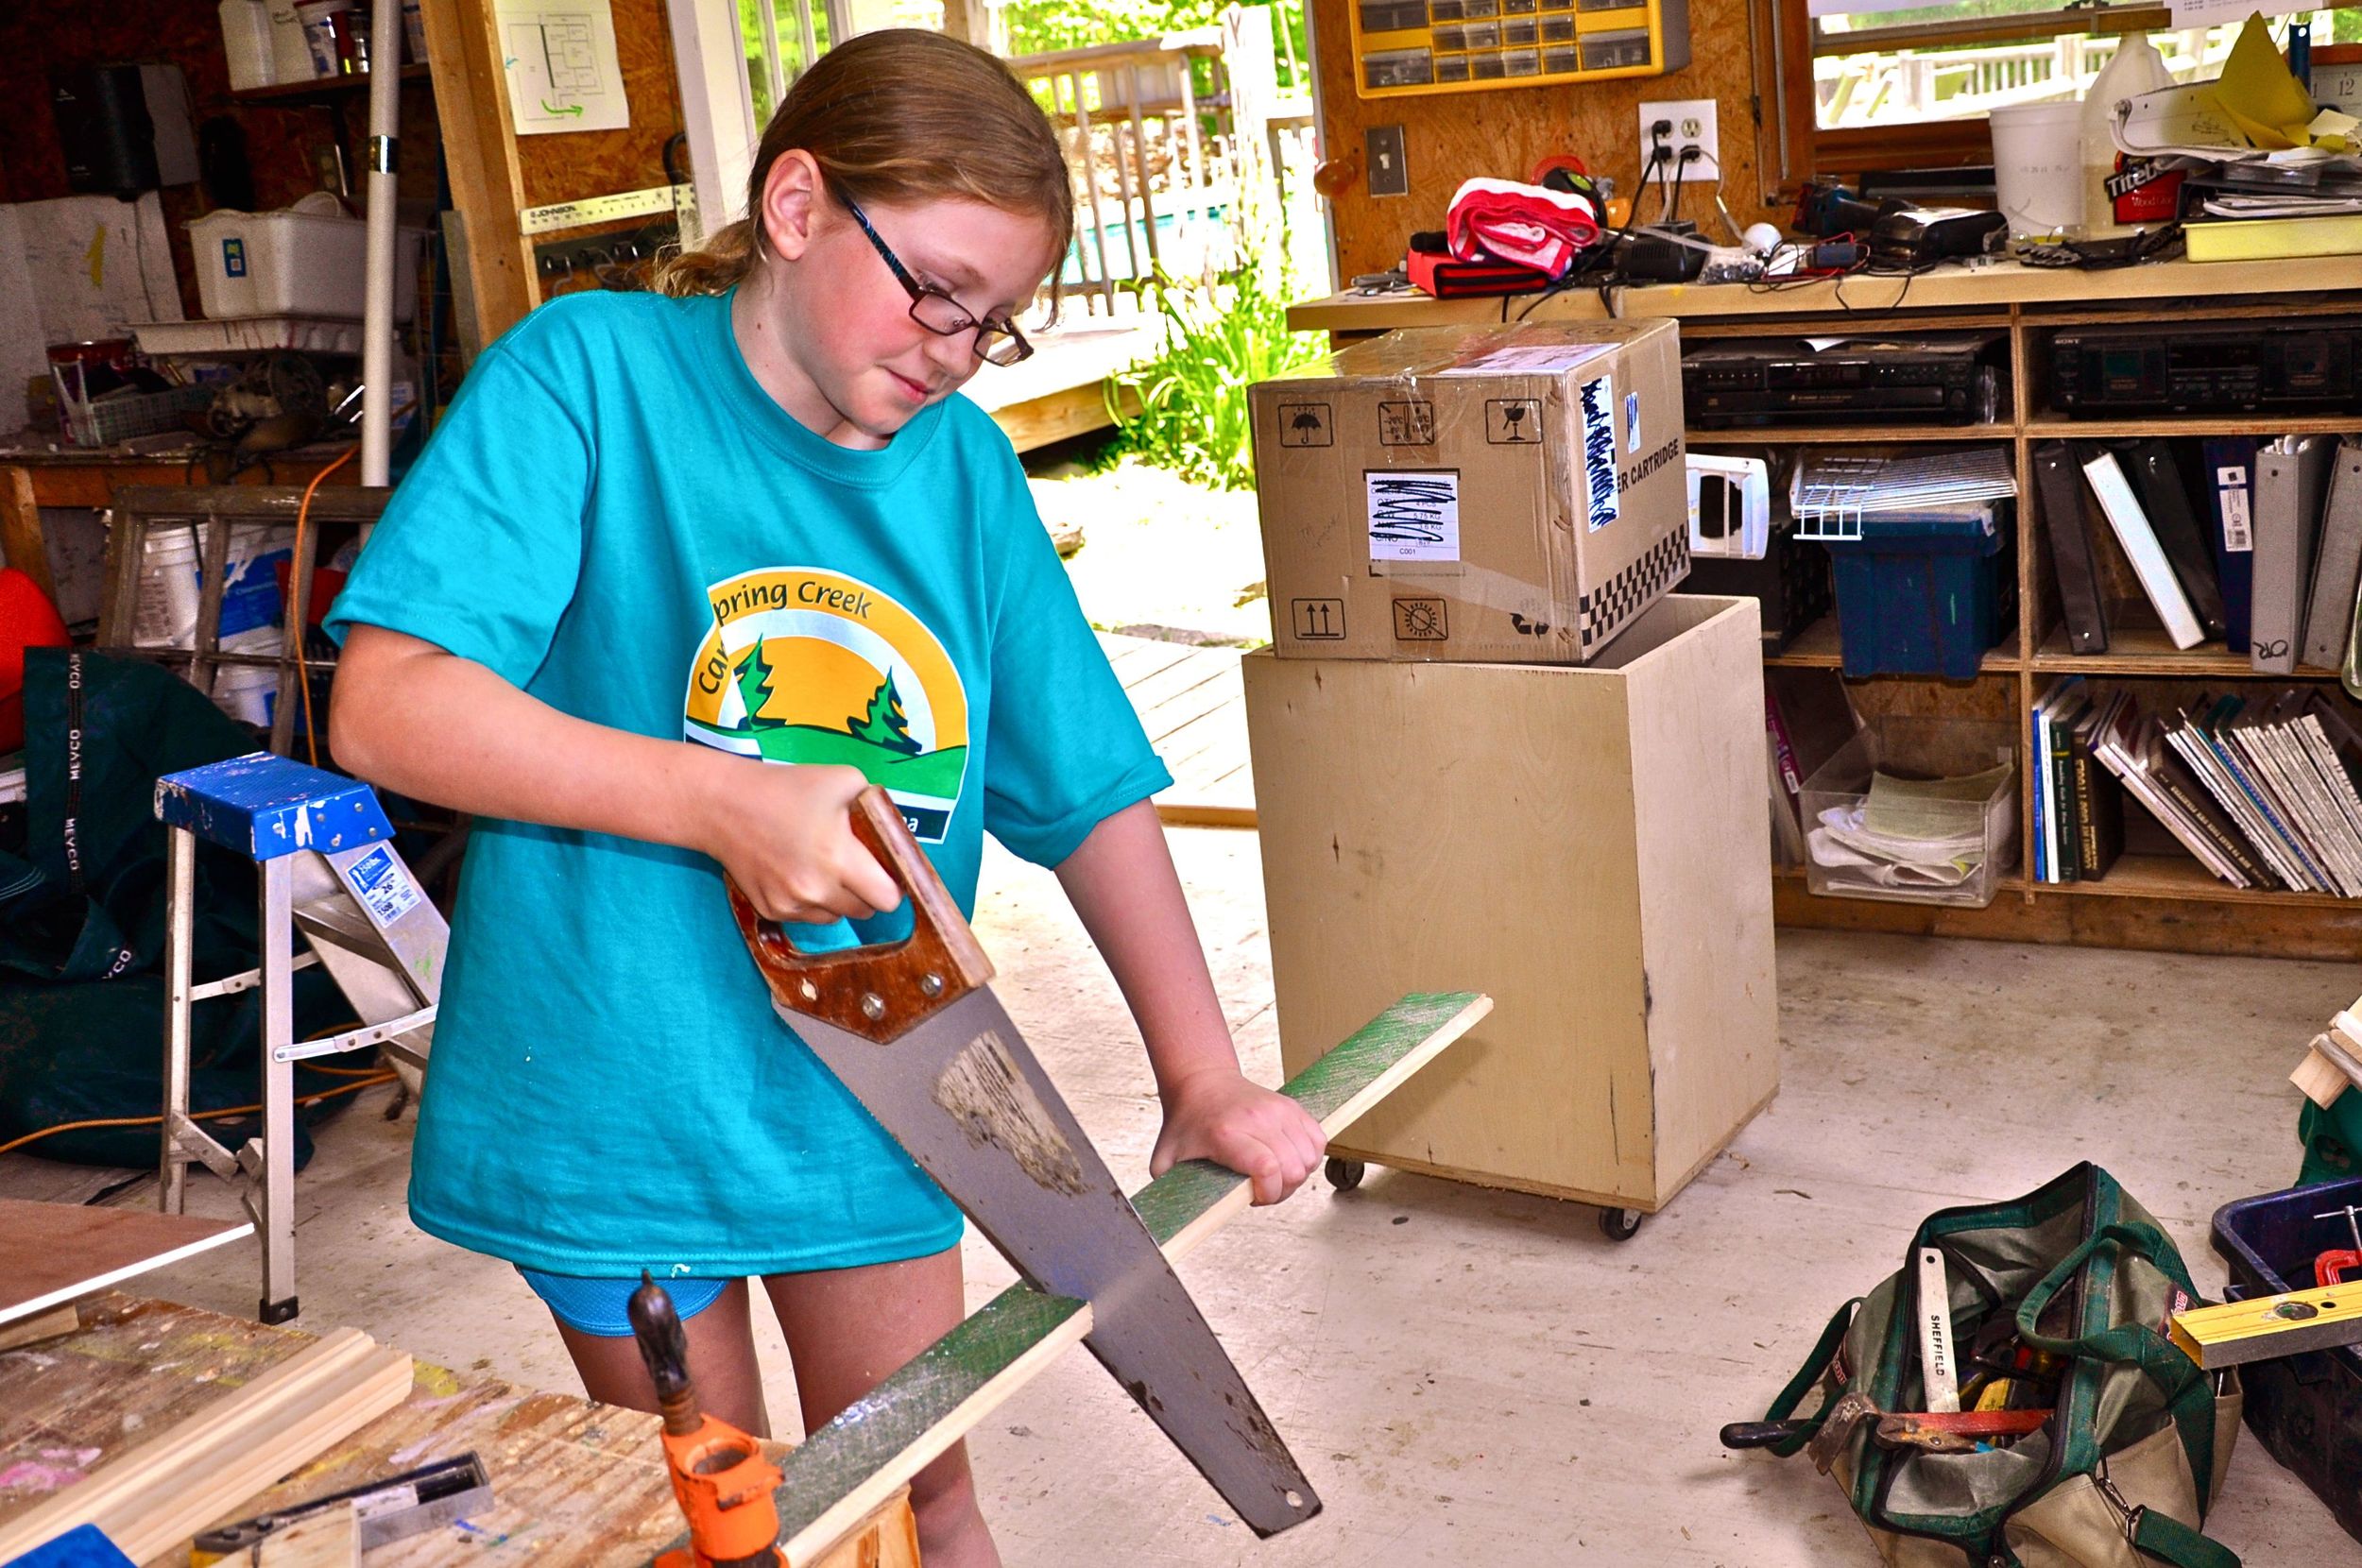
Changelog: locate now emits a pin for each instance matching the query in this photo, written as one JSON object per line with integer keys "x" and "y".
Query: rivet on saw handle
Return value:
{"x": 882, "y": 992}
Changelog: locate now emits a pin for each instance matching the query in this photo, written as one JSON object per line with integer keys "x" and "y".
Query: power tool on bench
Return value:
{"x": 720, "y": 1477}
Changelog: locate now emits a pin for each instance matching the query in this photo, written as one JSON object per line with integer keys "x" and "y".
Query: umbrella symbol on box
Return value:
{"x": 1304, "y": 424}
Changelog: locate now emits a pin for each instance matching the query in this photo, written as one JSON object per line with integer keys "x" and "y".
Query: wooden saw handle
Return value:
{"x": 878, "y": 992}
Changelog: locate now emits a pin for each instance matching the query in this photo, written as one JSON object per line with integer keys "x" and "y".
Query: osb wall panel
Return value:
{"x": 37, "y": 35}
{"x": 570, "y": 165}
{"x": 1502, "y": 132}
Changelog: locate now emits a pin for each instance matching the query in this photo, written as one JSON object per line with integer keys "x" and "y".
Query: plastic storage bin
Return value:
{"x": 1925, "y": 593}
{"x": 2305, "y": 1410}
{"x": 311, "y": 259}
{"x": 1959, "y": 847}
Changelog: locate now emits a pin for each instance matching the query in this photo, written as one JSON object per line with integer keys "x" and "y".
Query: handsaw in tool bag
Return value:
{"x": 913, "y": 1030}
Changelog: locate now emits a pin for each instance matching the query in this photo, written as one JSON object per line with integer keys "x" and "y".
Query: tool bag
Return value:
{"x": 2122, "y": 1474}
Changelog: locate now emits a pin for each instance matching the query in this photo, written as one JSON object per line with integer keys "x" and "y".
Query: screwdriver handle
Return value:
{"x": 877, "y": 992}
{"x": 1762, "y": 1434}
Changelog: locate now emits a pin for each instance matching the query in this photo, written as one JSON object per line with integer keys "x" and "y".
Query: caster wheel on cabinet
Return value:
{"x": 1345, "y": 1175}
{"x": 1619, "y": 1224}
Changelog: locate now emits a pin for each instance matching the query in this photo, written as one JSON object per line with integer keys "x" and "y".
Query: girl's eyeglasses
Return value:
{"x": 996, "y": 342}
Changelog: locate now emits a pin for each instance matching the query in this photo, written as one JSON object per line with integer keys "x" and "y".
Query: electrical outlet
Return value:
{"x": 1389, "y": 171}
{"x": 1694, "y": 125}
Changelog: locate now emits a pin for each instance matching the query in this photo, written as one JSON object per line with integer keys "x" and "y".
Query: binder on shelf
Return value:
{"x": 2066, "y": 518}
{"x": 2290, "y": 475}
{"x": 2338, "y": 565}
{"x": 2141, "y": 546}
{"x": 2157, "y": 481}
{"x": 2230, "y": 467}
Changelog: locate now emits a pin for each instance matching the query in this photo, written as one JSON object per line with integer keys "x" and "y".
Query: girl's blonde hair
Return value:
{"x": 898, "y": 116}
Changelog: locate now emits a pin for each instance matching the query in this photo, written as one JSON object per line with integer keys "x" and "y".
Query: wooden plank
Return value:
{"x": 1999, "y": 283}
{"x": 463, "y": 53}
{"x": 839, "y": 1473}
{"x": 1222, "y": 697}
{"x": 156, "y": 1496}
{"x": 583, "y": 1484}
{"x": 52, "y": 1252}
{"x": 46, "y": 1325}
{"x": 22, "y": 545}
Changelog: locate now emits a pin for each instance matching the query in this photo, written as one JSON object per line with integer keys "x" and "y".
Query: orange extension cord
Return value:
{"x": 364, "y": 1078}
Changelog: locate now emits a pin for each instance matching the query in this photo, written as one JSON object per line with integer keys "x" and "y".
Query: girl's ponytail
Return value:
{"x": 716, "y": 266}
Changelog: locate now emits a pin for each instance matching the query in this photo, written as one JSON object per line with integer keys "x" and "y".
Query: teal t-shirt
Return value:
{"x": 617, "y": 518}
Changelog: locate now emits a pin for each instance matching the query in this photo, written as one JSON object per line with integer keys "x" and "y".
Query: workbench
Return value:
{"x": 32, "y": 478}
{"x": 576, "y": 1484}
{"x": 2158, "y": 900}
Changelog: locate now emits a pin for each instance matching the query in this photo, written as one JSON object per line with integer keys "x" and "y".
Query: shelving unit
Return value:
{"x": 2159, "y": 901}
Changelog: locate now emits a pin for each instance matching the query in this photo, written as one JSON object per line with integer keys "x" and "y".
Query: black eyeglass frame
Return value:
{"x": 920, "y": 293}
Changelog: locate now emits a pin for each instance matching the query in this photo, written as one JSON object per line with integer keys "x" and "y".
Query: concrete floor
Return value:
{"x": 1477, "y": 1377}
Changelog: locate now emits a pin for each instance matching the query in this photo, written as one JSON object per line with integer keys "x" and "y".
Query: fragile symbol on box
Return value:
{"x": 1318, "y": 619}
{"x": 1304, "y": 425}
{"x": 1513, "y": 421}
{"x": 1406, "y": 424}
{"x": 1421, "y": 621}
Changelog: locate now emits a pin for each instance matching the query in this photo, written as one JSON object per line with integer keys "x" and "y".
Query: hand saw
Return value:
{"x": 913, "y": 1030}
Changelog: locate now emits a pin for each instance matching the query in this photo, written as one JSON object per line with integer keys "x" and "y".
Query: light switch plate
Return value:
{"x": 1389, "y": 171}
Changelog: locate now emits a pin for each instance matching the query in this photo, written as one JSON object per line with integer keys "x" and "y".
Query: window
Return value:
{"x": 1873, "y": 84}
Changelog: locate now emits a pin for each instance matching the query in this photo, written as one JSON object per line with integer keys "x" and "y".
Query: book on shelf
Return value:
{"x": 2142, "y": 548}
{"x": 1806, "y": 719}
{"x": 2098, "y": 795}
{"x": 2228, "y": 466}
{"x": 2128, "y": 746}
{"x": 2291, "y": 476}
{"x": 2066, "y": 518}
{"x": 2265, "y": 788}
{"x": 2337, "y": 564}
{"x": 2196, "y": 730}
{"x": 2157, "y": 481}
{"x": 2057, "y": 828}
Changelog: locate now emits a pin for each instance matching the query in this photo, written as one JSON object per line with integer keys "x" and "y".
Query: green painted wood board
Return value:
{"x": 900, "y": 1412}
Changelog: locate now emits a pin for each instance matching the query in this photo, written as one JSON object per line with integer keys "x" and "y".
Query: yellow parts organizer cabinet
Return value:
{"x": 1586, "y": 845}
{"x": 1406, "y": 47}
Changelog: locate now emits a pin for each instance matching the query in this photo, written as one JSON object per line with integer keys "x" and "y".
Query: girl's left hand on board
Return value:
{"x": 1218, "y": 1115}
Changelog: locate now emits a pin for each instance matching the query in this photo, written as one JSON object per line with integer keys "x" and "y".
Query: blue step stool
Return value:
{"x": 324, "y": 855}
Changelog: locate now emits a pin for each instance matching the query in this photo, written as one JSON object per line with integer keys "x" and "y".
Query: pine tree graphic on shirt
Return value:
{"x": 885, "y": 725}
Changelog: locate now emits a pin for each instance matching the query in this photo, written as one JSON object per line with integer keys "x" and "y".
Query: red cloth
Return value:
{"x": 28, "y": 620}
{"x": 1523, "y": 225}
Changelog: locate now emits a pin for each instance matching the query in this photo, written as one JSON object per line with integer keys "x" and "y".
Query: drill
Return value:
{"x": 720, "y": 1477}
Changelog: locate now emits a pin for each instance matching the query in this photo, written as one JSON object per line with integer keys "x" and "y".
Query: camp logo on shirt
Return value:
{"x": 809, "y": 666}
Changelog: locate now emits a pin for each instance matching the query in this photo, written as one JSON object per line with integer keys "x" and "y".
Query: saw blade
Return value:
{"x": 965, "y": 1097}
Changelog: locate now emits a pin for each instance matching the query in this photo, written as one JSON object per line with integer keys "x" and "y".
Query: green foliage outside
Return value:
{"x": 1220, "y": 339}
{"x": 1038, "y": 26}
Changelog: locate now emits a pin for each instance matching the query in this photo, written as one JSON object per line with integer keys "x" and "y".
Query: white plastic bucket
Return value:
{"x": 2038, "y": 168}
{"x": 164, "y": 615}
{"x": 248, "y": 691}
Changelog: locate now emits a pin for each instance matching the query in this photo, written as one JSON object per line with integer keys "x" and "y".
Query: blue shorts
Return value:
{"x": 596, "y": 1307}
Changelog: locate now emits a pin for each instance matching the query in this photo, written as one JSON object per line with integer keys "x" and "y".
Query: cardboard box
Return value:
{"x": 1508, "y": 494}
{"x": 1588, "y": 845}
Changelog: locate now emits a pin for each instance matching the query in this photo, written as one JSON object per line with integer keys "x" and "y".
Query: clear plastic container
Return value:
{"x": 1907, "y": 837}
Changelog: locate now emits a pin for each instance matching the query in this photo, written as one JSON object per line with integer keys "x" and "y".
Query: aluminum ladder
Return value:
{"x": 324, "y": 856}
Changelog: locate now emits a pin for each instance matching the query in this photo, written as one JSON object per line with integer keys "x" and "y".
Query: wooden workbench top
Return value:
{"x": 1989, "y": 286}
{"x": 575, "y": 1484}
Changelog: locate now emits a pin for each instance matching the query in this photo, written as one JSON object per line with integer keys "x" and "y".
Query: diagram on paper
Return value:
{"x": 561, "y": 66}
